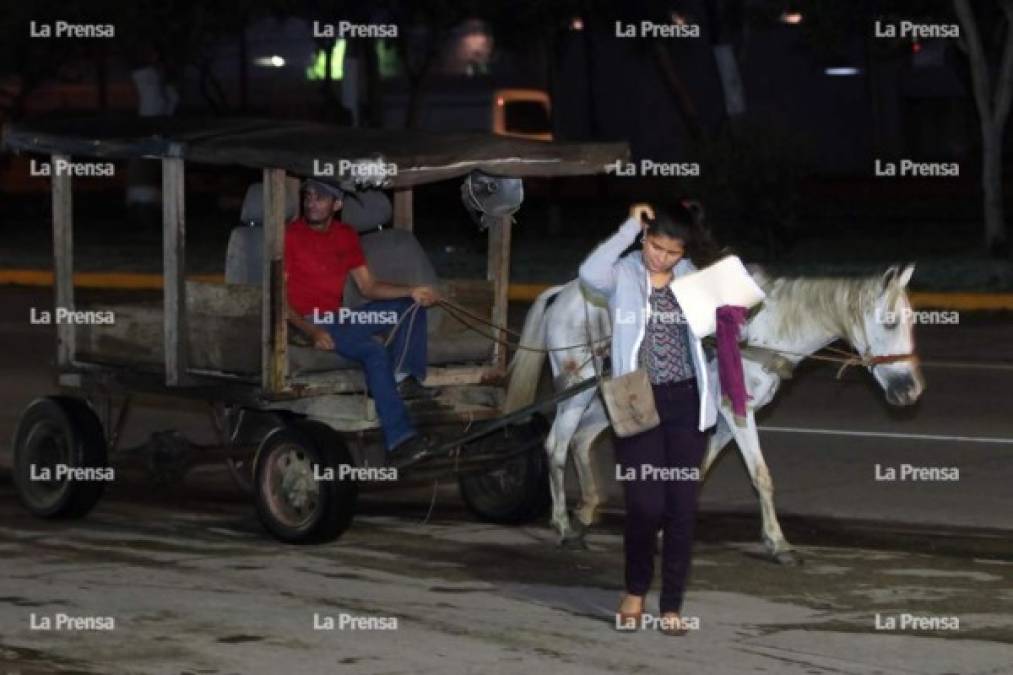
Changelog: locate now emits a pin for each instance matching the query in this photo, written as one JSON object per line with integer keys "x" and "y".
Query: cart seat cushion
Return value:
{"x": 243, "y": 261}
{"x": 395, "y": 256}
{"x": 252, "y": 213}
{"x": 366, "y": 209}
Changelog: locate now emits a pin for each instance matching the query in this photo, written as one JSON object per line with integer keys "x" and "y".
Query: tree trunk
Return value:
{"x": 991, "y": 178}
{"x": 101, "y": 78}
{"x": 243, "y": 72}
{"x": 374, "y": 100}
{"x": 590, "y": 75}
{"x": 683, "y": 100}
{"x": 993, "y": 98}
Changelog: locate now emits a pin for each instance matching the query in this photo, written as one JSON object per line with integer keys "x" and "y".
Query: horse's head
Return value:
{"x": 888, "y": 344}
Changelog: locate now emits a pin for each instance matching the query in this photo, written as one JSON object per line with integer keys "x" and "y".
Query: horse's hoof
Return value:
{"x": 787, "y": 557}
{"x": 579, "y": 528}
{"x": 574, "y": 542}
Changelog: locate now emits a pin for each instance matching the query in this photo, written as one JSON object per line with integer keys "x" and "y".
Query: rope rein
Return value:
{"x": 466, "y": 317}
{"x": 844, "y": 357}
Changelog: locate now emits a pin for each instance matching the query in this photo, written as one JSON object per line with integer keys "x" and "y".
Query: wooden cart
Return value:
{"x": 283, "y": 413}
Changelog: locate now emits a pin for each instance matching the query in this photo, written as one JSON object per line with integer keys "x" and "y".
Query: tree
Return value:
{"x": 993, "y": 90}
{"x": 988, "y": 56}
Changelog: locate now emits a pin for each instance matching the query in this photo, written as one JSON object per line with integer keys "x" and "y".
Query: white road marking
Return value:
{"x": 889, "y": 434}
{"x": 968, "y": 365}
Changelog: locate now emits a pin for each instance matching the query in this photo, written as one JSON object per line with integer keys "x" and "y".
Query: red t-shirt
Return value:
{"x": 317, "y": 264}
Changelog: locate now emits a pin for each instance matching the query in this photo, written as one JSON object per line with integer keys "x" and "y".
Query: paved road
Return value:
{"x": 193, "y": 585}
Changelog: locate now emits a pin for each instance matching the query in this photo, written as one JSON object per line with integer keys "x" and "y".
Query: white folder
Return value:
{"x": 725, "y": 282}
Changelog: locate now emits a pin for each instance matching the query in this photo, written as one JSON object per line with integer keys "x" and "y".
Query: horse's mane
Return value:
{"x": 800, "y": 305}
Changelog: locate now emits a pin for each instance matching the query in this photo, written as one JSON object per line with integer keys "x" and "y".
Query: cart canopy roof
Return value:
{"x": 302, "y": 148}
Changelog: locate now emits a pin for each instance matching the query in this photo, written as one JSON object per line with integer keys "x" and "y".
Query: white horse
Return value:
{"x": 799, "y": 317}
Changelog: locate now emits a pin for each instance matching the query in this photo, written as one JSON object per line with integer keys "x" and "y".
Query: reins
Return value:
{"x": 846, "y": 358}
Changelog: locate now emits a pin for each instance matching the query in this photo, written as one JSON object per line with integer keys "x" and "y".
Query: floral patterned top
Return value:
{"x": 665, "y": 350}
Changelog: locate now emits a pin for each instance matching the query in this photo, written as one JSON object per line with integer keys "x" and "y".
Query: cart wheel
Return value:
{"x": 516, "y": 491}
{"x": 294, "y": 506}
{"x": 58, "y": 431}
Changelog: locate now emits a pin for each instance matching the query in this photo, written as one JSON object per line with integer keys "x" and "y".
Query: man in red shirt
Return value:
{"x": 320, "y": 253}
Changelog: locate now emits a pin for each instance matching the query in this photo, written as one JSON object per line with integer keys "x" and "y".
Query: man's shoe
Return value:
{"x": 415, "y": 449}
{"x": 412, "y": 388}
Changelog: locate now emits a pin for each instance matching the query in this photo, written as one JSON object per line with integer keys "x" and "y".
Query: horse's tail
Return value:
{"x": 525, "y": 367}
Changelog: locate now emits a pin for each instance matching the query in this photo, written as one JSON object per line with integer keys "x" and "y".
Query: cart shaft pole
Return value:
{"x": 63, "y": 258}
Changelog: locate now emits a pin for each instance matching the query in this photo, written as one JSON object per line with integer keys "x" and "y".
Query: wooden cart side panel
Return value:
{"x": 274, "y": 328}
{"x": 63, "y": 259}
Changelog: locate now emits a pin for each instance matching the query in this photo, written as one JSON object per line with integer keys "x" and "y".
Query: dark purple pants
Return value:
{"x": 658, "y": 502}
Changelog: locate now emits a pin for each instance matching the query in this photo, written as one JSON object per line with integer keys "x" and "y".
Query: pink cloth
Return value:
{"x": 730, "y": 319}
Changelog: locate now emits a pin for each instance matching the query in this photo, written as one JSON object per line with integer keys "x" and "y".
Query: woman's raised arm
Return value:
{"x": 597, "y": 272}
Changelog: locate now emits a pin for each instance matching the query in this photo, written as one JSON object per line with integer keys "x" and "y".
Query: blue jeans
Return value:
{"x": 354, "y": 333}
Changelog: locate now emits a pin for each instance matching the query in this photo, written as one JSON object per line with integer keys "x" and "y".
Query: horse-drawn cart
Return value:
{"x": 294, "y": 424}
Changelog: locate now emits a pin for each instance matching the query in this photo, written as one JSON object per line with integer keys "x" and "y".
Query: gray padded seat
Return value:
{"x": 244, "y": 255}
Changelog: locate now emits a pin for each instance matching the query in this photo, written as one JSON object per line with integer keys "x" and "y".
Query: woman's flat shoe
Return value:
{"x": 629, "y": 621}
{"x": 672, "y": 624}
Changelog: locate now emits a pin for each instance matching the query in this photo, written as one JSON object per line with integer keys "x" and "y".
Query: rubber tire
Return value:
{"x": 530, "y": 502}
{"x": 83, "y": 435}
{"x": 338, "y": 497}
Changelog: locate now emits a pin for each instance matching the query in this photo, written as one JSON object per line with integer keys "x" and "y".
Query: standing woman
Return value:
{"x": 649, "y": 331}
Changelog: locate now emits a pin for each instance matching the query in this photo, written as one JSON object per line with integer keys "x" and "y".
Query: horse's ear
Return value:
{"x": 889, "y": 276}
{"x": 905, "y": 275}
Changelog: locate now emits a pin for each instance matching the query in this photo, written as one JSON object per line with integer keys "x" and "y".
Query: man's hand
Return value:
{"x": 322, "y": 339}
{"x": 425, "y": 295}
{"x": 641, "y": 209}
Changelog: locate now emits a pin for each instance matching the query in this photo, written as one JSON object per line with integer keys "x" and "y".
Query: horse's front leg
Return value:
{"x": 749, "y": 445}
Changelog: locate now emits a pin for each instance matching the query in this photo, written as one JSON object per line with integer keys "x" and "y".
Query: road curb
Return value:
{"x": 520, "y": 292}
